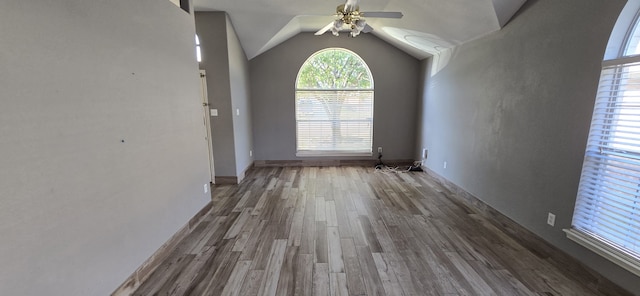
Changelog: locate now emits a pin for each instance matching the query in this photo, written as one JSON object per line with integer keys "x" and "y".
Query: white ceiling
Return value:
{"x": 428, "y": 26}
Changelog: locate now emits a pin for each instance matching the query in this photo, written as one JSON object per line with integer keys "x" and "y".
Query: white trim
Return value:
{"x": 621, "y": 61}
{"x": 334, "y": 89}
{"x": 331, "y": 153}
{"x": 622, "y": 259}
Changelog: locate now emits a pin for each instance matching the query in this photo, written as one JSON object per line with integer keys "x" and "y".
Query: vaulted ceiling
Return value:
{"x": 428, "y": 26}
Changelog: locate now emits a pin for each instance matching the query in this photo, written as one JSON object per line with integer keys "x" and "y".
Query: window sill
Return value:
{"x": 332, "y": 154}
{"x": 624, "y": 260}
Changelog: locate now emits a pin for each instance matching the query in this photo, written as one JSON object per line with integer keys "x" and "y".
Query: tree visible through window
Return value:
{"x": 334, "y": 105}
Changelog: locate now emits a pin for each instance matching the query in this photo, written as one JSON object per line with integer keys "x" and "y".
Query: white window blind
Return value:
{"x": 607, "y": 212}
{"x": 334, "y": 121}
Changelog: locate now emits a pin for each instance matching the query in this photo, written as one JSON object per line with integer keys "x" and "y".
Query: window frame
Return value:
{"x": 335, "y": 153}
{"x": 592, "y": 225}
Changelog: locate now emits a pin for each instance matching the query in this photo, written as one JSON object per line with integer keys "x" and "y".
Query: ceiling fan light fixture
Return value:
{"x": 357, "y": 27}
{"x": 337, "y": 25}
{"x": 335, "y": 31}
{"x": 349, "y": 14}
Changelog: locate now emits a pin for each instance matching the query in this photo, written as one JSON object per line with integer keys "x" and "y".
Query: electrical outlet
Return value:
{"x": 206, "y": 188}
{"x": 551, "y": 219}
{"x": 444, "y": 165}
{"x": 379, "y": 149}
{"x": 425, "y": 153}
{"x": 238, "y": 112}
{"x": 250, "y": 153}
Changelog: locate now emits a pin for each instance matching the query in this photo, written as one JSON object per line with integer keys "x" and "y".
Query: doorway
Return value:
{"x": 207, "y": 124}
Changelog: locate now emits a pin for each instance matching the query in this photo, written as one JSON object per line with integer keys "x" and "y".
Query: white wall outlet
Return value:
{"x": 250, "y": 153}
{"x": 425, "y": 153}
{"x": 238, "y": 112}
{"x": 214, "y": 112}
{"x": 379, "y": 149}
{"x": 206, "y": 188}
{"x": 551, "y": 219}
{"x": 444, "y": 165}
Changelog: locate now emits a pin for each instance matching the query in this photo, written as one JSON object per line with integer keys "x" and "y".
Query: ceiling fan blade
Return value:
{"x": 367, "y": 29}
{"x": 383, "y": 14}
{"x": 351, "y": 2}
{"x": 325, "y": 29}
{"x": 351, "y": 5}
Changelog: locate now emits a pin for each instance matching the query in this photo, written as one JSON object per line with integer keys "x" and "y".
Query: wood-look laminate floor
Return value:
{"x": 350, "y": 231}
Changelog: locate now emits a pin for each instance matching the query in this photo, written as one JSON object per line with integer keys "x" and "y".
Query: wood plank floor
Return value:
{"x": 351, "y": 231}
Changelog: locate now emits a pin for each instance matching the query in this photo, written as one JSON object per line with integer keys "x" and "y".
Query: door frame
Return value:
{"x": 207, "y": 124}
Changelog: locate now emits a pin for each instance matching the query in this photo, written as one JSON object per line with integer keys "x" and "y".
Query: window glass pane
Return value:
{"x": 632, "y": 47}
{"x": 198, "y": 50}
{"x": 334, "y": 69}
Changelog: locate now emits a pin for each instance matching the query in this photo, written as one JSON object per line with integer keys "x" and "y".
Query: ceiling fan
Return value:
{"x": 349, "y": 15}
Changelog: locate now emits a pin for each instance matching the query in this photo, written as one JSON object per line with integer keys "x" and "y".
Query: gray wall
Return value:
{"x": 80, "y": 210}
{"x": 510, "y": 114}
{"x": 211, "y": 28}
{"x": 239, "y": 73}
{"x": 273, "y": 76}
{"x": 227, "y": 71}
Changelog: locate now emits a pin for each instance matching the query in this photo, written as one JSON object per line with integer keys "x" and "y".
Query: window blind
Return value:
{"x": 334, "y": 121}
{"x": 607, "y": 211}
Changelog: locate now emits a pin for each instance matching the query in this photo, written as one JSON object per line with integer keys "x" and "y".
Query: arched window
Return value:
{"x": 606, "y": 218}
{"x": 334, "y": 105}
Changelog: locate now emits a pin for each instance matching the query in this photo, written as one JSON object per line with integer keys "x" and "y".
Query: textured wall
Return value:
{"x": 273, "y": 77}
{"x": 510, "y": 113}
{"x": 80, "y": 209}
